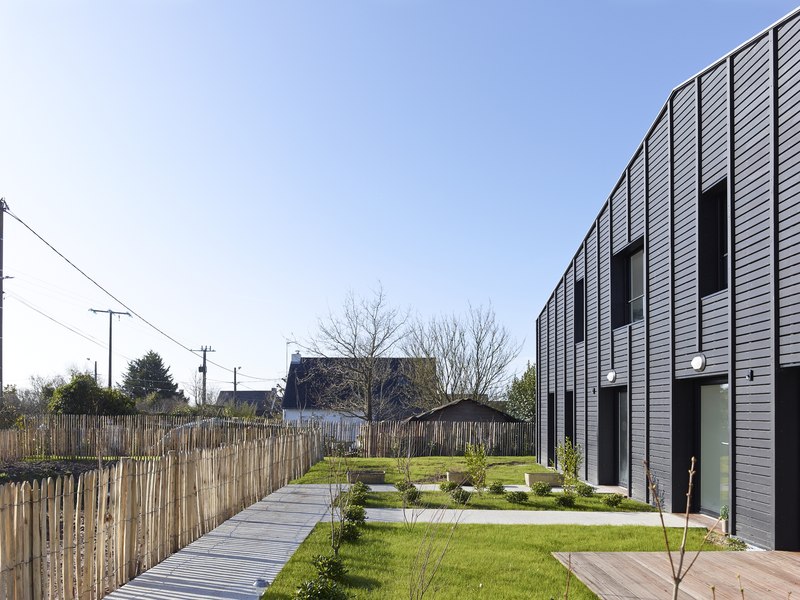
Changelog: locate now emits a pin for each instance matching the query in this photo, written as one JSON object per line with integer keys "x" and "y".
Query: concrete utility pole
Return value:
{"x": 203, "y": 370}
{"x": 111, "y": 314}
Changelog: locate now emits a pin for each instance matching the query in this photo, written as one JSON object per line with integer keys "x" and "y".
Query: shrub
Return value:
{"x": 357, "y": 497}
{"x": 402, "y": 486}
{"x": 475, "y": 456}
{"x": 584, "y": 489}
{"x": 540, "y": 488}
{"x": 612, "y": 500}
{"x": 349, "y": 532}
{"x": 320, "y": 589}
{"x": 329, "y": 567}
{"x": 569, "y": 457}
{"x": 517, "y": 497}
{"x": 497, "y": 488}
{"x": 411, "y": 495}
{"x": 460, "y": 495}
{"x": 355, "y": 514}
{"x": 566, "y": 500}
{"x": 448, "y": 486}
{"x": 360, "y": 486}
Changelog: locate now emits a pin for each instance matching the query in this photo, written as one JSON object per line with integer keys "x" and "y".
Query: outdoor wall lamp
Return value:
{"x": 699, "y": 363}
{"x": 612, "y": 376}
{"x": 749, "y": 375}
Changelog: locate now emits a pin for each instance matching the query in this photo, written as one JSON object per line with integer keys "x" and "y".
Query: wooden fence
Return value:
{"x": 130, "y": 435}
{"x": 432, "y": 438}
{"x": 81, "y": 539}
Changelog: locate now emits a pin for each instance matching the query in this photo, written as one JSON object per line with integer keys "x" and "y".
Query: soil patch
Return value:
{"x": 36, "y": 470}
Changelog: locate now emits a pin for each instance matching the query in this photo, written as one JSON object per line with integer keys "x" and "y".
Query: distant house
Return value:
{"x": 328, "y": 389}
{"x": 465, "y": 409}
{"x": 264, "y": 401}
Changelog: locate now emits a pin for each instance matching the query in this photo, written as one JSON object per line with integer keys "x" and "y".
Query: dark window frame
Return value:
{"x": 579, "y": 312}
{"x": 627, "y": 308}
{"x": 712, "y": 242}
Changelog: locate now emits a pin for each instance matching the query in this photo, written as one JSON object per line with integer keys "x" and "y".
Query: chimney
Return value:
{"x": 296, "y": 358}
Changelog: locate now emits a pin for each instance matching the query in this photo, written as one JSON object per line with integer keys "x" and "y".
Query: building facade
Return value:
{"x": 675, "y": 329}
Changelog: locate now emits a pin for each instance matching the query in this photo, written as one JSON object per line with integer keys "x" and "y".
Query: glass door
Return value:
{"x": 714, "y": 448}
{"x": 622, "y": 437}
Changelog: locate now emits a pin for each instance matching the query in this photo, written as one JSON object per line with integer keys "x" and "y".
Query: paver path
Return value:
{"x": 228, "y": 561}
{"x": 237, "y": 559}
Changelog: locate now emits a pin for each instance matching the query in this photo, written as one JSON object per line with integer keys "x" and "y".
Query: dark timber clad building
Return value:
{"x": 675, "y": 330}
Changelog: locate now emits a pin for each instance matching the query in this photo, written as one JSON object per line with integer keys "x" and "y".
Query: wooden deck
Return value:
{"x": 647, "y": 575}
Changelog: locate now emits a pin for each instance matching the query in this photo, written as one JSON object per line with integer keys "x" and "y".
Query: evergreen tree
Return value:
{"x": 522, "y": 396}
{"x": 148, "y": 375}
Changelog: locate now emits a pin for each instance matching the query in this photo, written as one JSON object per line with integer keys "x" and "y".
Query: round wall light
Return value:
{"x": 699, "y": 363}
{"x": 612, "y": 376}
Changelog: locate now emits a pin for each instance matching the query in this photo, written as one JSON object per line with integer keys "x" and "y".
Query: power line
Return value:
{"x": 54, "y": 320}
{"x": 113, "y": 297}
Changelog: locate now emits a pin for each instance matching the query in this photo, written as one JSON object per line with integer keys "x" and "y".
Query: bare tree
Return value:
{"x": 359, "y": 378}
{"x": 472, "y": 355}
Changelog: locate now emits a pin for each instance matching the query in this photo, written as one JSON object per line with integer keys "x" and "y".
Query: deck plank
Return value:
{"x": 647, "y": 575}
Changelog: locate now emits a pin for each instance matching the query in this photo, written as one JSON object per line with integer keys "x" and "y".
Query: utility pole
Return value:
{"x": 203, "y": 369}
{"x": 3, "y": 207}
{"x": 234, "y": 383}
{"x": 111, "y": 314}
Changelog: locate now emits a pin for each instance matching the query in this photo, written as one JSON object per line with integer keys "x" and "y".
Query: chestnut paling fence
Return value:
{"x": 68, "y": 538}
{"x": 146, "y": 435}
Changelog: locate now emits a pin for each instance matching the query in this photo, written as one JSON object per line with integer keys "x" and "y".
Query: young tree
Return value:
{"x": 148, "y": 375}
{"x": 472, "y": 355}
{"x": 83, "y": 396}
{"x": 363, "y": 335}
{"x": 522, "y": 395}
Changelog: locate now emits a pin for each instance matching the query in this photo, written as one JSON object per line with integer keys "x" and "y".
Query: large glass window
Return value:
{"x": 714, "y": 448}
{"x": 636, "y": 286}
{"x": 713, "y": 239}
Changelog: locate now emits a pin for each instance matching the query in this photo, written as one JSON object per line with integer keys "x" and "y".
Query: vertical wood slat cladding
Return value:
{"x": 592, "y": 343}
{"x": 714, "y": 311}
{"x": 561, "y": 364}
{"x": 604, "y": 289}
{"x": 752, "y": 280}
{"x": 684, "y": 220}
{"x": 569, "y": 324}
{"x": 636, "y": 389}
{"x": 637, "y": 197}
{"x": 712, "y": 127}
{"x": 789, "y": 191}
{"x": 659, "y": 293}
{"x": 713, "y": 116}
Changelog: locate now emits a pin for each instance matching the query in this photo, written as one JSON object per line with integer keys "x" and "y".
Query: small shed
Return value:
{"x": 465, "y": 409}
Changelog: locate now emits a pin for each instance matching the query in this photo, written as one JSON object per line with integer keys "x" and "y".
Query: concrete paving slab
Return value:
{"x": 228, "y": 562}
{"x": 523, "y": 517}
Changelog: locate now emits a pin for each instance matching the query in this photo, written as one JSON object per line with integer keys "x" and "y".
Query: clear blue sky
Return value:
{"x": 230, "y": 169}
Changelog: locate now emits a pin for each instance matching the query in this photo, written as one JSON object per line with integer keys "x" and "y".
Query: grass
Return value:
{"x": 430, "y": 469}
{"x": 483, "y": 561}
{"x": 488, "y": 501}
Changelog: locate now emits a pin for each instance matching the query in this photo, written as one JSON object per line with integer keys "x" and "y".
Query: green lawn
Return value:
{"x": 483, "y": 561}
{"x": 429, "y": 469}
{"x": 488, "y": 501}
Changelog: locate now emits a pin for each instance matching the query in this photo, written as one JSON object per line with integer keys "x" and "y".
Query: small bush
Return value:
{"x": 411, "y": 495}
{"x": 566, "y": 500}
{"x": 360, "y": 486}
{"x": 402, "y": 486}
{"x": 497, "y": 488}
{"x": 320, "y": 589}
{"x": 357, "y": 497}
{"x": 329, "y": 567}
{"x": 612, "y": 500}
{"x": 540, "y": 488}
{"x": 350, "y": 532}
{"x": 584, "y": 489}
{"x": 355, "y": 514}
{"x": 460, "y": 495}
{"x": 517, "y": 497}
{"x": 448, "y": 486}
